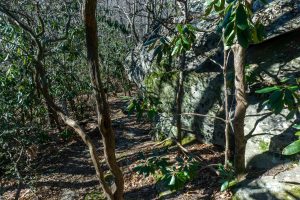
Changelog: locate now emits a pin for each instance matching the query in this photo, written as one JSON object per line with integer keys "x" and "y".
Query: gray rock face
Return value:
{"x": 267, "y": 134}
{"x": 279, "y": 16}
{"x": 290, "y": 176}
{"x": 68, "y": 195}
{"x": 270, "y": 188}
{"x": 271, "y": 60}
{"x": 202, "y": 95}
{"x": 138, "y": 65}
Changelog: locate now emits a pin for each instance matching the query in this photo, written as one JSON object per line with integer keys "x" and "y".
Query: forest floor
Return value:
{"x": 64, "y": 170}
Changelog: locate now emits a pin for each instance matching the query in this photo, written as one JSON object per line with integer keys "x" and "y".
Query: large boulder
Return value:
{"x": 269, "y": 188}
{"x": 277, "y": 57}
{"x": 266, "y": 133}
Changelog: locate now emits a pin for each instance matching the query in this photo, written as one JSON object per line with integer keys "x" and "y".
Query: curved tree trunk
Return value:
{"x": 73, "y": 124}
{"x": 104, "y": 120}
{"x": 114, "y": 193}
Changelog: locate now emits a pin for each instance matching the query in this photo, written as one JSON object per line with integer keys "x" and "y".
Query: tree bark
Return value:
{"x": 226, "y": 108}
{"x": 180, "y": 92}
{"x": 102, "y": 107}
{"x": 54, "y": 119}
{"x": 240, "y": 109}
{"x": 179, "y": 98}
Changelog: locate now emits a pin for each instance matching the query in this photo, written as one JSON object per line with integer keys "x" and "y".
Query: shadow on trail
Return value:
{"x": 144, "y": 192}
{"x": 68, "y": 164}
{"x": 68, "y": 184}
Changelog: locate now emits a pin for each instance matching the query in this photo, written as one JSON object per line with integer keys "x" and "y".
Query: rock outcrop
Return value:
{"x": 271, "y": 60}
{"x": 277, "y": 57}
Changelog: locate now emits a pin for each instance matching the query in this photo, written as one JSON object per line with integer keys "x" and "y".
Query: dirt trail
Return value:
{"x": 66, "y": 172}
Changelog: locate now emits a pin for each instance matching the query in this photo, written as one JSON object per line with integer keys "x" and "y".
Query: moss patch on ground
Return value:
{"x": 264, "y": 146}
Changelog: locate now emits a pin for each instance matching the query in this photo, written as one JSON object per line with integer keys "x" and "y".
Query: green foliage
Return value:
{"x": 67, "y": 134}
{"x": 184, "y": 39}
{"x": 13, "y": 145}
{"x": 164, "y": 49}
{"x": 264, "y": 146}
{"x": 283, "y": 96}
{"x": 113, "y": 24}
{"x": 228, "y": 179}
{"x": 145, "y": 105}
{"x": 95, "y": 196}
{"x": 151, "y": 165}
{"x": 23, "y": 114}
{"x": 267, "y": 90}
{"x": 286, "y": 95}
{"x": 114, "y": 45}
{"x": 236, "y": 22}
{"x": 294, "y": 147}
{"x": 172, "y": 175}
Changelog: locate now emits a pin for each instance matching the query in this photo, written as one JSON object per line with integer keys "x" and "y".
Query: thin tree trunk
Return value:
{"x": 73, "y": 124}
{"x": 226, "y": 108}
{"x": 52, "y": 115}
{"x": 179, "y": 98}
{"x": 240, "y": 110}
{"x": 103, "y": 113}
{"x": 180, "y": 92}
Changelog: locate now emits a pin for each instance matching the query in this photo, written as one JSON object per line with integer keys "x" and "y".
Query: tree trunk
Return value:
{"x": 226, "y": 108}
{"x": 180, "y": 92}
{"x": 73, "y": 124}
{"x": 52, "y": 115}
{"x": 53, "y": 118}
{"x": 179, "y": 98}
{"x": 240, "y": 109}
{"x": 103, "y": 113}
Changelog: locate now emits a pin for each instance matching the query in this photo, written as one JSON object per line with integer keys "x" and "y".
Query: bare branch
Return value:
{"x": 203, "y": 115}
